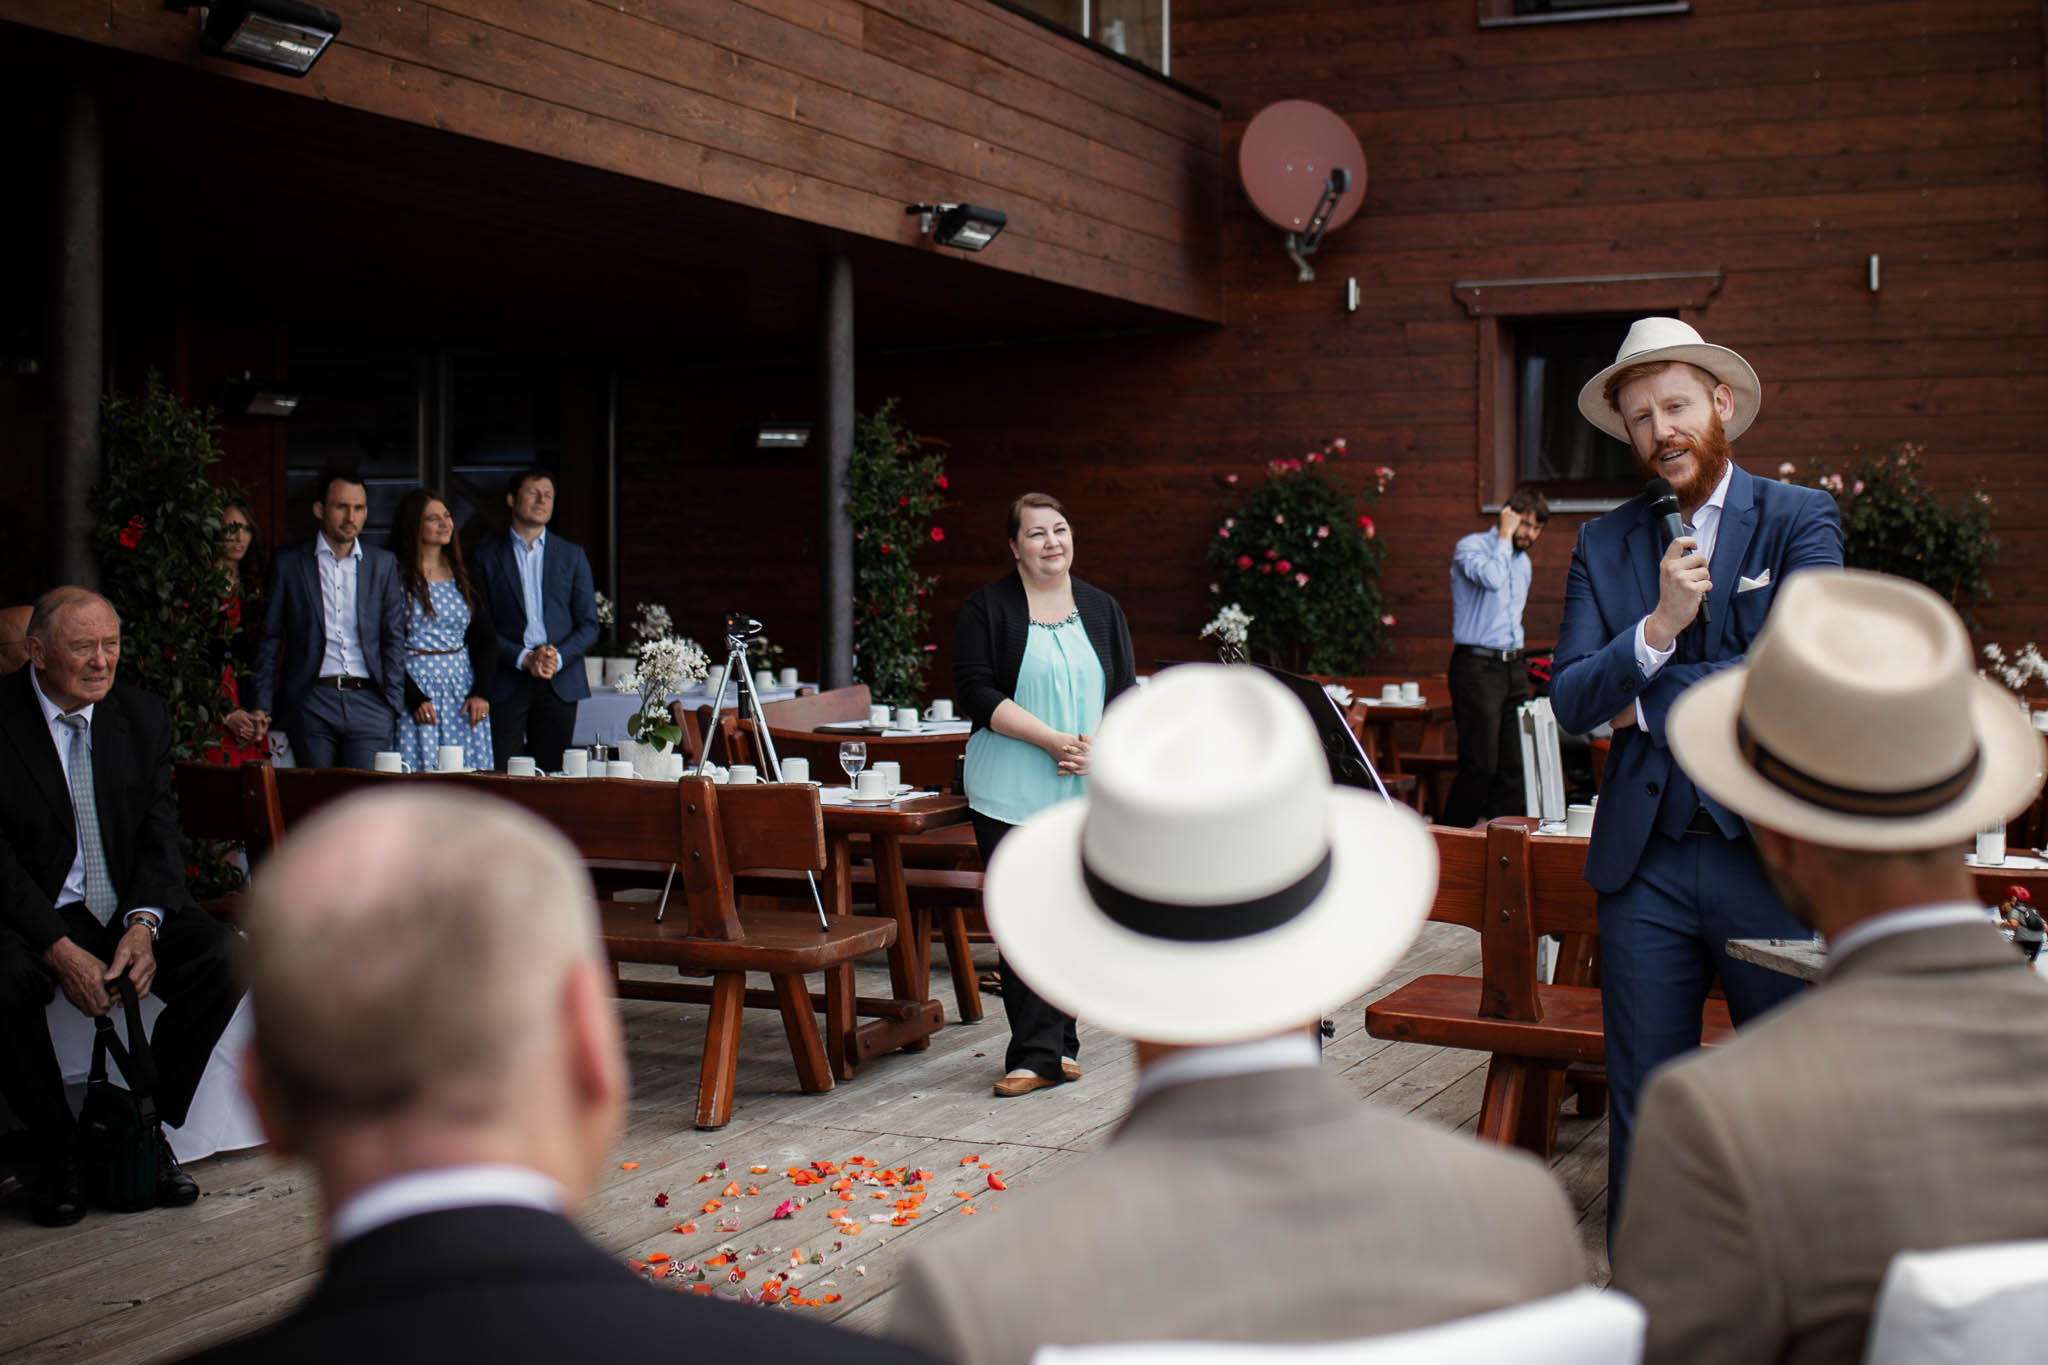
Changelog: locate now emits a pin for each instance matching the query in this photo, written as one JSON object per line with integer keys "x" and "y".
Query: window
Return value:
{"x": 1506, "y": 13}
{"x": 1554, "y": 357}
{"x": 1140, "y": 30}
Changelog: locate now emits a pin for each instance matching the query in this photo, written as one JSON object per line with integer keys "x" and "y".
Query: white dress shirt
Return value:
{"x": 441, "y": 1189}
{"x": 60, "y": 735}
{"x": 1905, "y": 921}
{"x": 344, "y": 651}
{"x": 531, "y": 561}
{"x": 1277, "y": 1053}
{"x": 1706, "y": 529}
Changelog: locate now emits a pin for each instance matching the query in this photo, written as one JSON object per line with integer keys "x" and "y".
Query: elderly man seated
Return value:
{"x": 1903, "y": 1103}
{"x": 92, "y": 885}
{"x": 1209, "y": 898}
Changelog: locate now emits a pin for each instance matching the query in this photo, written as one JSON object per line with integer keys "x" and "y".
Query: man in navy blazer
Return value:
{"x": 545, "y": 605}
{"x": 331, "y": 669}
{"x": 1676, "y": 872}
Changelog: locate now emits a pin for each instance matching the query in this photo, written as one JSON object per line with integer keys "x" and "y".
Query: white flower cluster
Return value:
{"x": 607, "y": 611}
{"x": 1232, "y": 627}
{"x": 1338, "y": 692}
{"x": 662, "y": 666}
{"x": 2021, "y": 669}
{"x": 651, "y": 623}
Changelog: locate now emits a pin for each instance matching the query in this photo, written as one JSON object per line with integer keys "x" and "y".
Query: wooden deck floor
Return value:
{"x": 150, "y": 1286}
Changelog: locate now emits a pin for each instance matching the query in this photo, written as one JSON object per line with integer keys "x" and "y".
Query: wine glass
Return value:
{"x": 853, "y": 756}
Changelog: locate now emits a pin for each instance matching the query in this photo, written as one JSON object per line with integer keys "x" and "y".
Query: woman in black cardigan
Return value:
{"x": 1037, "y": 655}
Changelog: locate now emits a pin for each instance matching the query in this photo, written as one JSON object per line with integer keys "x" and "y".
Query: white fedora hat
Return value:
{"x": 1213, "y": 885}
{"x": 1858, "y": 721}
{"x": 1653, "y": 339}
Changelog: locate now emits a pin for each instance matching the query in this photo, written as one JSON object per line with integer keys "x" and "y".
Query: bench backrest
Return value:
{"x": 708, "y": 832}
{"x": 807, "y": 713}
{"x": 1513, "y": 887}
{"x": 237, "y": 804}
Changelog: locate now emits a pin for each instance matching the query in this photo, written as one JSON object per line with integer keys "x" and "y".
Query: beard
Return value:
{"x": 1711, "y": 455}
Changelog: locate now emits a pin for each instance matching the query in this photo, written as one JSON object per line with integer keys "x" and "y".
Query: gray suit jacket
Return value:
{"x": 1902, "y": 1104}
{"x": 1268, "y": 1207}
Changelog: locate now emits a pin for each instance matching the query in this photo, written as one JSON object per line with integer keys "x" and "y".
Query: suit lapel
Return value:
{"x": 1644, "y": 554}
{"x": 1731, "y": 547}
{"x": 309, "y": 574}
{"x": 30, "y": 736}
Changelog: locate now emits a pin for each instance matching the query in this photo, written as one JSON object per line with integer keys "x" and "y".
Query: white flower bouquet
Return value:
{"x": 661, "y": 666}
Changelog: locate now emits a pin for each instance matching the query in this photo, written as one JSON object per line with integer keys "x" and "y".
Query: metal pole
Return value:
{"x": 835, "y": 455}
{"x": 79, "y": 343}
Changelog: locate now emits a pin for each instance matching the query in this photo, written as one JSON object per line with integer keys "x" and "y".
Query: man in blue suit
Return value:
{"x": 331, "y": 669}
{"x": 1675, "y": 870}
{"x": 545, "y": 606}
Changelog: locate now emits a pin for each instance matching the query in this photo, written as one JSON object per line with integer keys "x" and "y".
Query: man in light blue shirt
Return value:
{"x": 1489, "y": 586}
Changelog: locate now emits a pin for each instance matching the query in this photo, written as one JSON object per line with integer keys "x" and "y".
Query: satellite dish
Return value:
{"x": 1304, "y": 172}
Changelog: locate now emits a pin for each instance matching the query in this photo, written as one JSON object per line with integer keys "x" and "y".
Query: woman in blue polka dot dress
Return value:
{"x": 451, "y": 652}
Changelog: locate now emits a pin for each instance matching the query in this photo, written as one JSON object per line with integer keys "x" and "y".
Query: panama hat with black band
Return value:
{"x": 1213, "y": 885}
{"x": 1858, "y": 721}
{"x": 1651, "y": 340}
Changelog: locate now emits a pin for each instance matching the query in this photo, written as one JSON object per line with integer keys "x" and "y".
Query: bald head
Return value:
{"x": 408, "y": 952}
{"x": 14, "y": 637}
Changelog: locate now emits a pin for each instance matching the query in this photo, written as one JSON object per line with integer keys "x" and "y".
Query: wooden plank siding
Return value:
{"x": 1778, "y": 142}
{"x": 836, "y": 114}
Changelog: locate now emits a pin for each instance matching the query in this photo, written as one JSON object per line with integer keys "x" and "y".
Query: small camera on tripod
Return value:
{"x": 741, "y": 626}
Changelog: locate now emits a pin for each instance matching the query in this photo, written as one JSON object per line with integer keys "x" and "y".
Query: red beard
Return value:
{"x": 1711, "y": 454}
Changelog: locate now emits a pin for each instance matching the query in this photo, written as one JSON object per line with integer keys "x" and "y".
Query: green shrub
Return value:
{"x": 1893, "y": 523}
{"x": 894, "y": 492}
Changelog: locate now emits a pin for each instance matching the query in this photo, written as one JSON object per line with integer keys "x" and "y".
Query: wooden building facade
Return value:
{"x": 493, "y": 230}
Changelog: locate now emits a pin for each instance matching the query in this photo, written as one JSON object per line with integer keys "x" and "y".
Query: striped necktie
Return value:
{"x": 99, "y": 883}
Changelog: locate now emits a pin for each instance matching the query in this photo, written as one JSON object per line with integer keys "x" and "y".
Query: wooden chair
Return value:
{"x": 1513, "y": 891}
{"x": 708, "y": 833}
{"x": 237, "y": 805}
{"x": 809, "y": 712}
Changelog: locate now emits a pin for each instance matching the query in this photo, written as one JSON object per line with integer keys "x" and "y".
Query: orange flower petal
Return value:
{"x": 686, "y": 1228}
{"x": 713, "y": 1205}
{"x": 969, "y": 1160}
{"x": 731, "y": 1190}
{"x": 758, "y": 1170}
{"x": 657, "y": 1258}
{"x": 968, "y": 1209}
{"x": 629, "y": 1165}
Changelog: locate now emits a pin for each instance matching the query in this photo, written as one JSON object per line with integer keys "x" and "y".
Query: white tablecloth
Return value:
{"x": 601, "y": 717}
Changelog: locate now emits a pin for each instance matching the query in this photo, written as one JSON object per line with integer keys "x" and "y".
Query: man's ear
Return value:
{"x": 512, "y": 500}
{"x": 282, "y": 1140}
{"x": 1724, "y": 401}
{"x": 597, "y": 1055}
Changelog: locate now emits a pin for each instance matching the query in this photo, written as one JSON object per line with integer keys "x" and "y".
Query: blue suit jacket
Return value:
{"x": 295, "y": 632}
{"x": 568, "y": 600}
{"x": 1765, "y": 526}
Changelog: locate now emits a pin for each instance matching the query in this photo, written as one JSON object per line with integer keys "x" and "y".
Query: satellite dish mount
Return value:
{"x": 1302, "y": 245}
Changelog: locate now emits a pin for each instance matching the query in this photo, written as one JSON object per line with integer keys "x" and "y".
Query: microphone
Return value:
{"x": 1670, "y": 524}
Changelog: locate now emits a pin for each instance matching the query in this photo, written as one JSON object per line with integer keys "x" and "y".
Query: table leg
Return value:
{"x": 910, "y": 961}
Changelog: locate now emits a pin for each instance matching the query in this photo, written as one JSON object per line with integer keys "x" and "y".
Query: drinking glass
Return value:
{"x": 853, "y": 756}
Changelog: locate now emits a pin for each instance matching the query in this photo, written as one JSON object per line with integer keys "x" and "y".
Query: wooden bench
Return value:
{"x": 1513, "y": 889}
{"x": 236, "y": 805}
{"x": 708, "y": 833}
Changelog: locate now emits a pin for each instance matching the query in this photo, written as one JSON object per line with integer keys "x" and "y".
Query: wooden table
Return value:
{"x": 1800, "y": 957}
{"x": 911, "y": 1016}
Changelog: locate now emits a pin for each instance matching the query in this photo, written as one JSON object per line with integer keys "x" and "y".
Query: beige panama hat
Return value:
{"x": 1858, "y": 721}
{"x": 1652, "y": 339}
{"x": 1213, "y": 885}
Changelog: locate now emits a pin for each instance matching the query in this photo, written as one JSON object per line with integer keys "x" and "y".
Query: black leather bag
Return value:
{"x": 117, "y": 1128}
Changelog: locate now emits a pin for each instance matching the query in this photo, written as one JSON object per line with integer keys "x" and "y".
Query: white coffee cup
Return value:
{"x": 715, "y": 773}
{"x": 575, "y": 763}
{"x": 906, "y": 717}
{"x": 788, "y": 677}
{"x": 763, "y": 680}
{"x": 892, "y": 774}
{"x": 671, "y": 766}
{"x": 448, "y": 758}
{"x": 1578, "y": 819}
{"x": 1390, "y": 692}
{"x": 1411, "y": 691}
{"x": 391, "y": 761}
{"x": 618, "y": 767}
{"x": 942, "y": 709}
{"x": 869, "y": 782}
{"x": 519, "y": 766}
{"x": 878, "y": 715}
{"x": 741, "y": 774}
{"x": 796, "y": 770}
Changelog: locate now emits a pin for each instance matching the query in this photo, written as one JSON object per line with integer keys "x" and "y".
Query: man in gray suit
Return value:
{"x": 1902, "y": 1104}
{"x": 330, "y": 672}
{"x": 1209, "y": 898}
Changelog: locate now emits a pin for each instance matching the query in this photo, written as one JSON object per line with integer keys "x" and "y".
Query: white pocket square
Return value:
{"x": 1762, "y": 580}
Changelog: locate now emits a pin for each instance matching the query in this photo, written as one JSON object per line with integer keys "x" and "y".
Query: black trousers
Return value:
{"x": 533, "y": 721}
{"x": 1484, "y": 695}
{"x": 195, "y": 977}
{"x": 1039, "y": 1034}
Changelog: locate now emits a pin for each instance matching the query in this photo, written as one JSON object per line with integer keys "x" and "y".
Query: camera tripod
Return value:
{"x": 740, "y": 628}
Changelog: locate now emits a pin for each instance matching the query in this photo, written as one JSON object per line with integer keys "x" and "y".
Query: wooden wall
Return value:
{"x": 836, "y": 113}
{"x": 1780, "y": 142}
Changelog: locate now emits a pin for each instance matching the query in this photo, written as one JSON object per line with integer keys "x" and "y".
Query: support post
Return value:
{"x": 79, "y": 333}
{"x": 834, "y": 431}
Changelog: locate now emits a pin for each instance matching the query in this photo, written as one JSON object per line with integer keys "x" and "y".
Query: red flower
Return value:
{"x": 885, "y": 549}
{"x": 938, "y": 533}
{"x": 1223, "y": 533}
{"x": 1265, "y": 568}
{"x": 170, "y": 654}
{"x": 1244, "y": 561}
{"x": 1272, "y": 554}
{"x": 903, "y": 501}
{"x": 1314, "y": 457}
{"x": 131, "y": 534}
{"x": 661, "y": 1201}
{"x": 1284, "y": 567}
{"x": 942, "y": 481}
{"x": 1365, "y": 525}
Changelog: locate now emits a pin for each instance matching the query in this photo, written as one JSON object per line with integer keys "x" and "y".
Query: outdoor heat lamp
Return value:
{"x": 967, "y": 227}
{"x": 276, "y": 35}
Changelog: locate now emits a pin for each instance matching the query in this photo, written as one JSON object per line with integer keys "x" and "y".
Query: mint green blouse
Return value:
{"x": 1060, "y": 682}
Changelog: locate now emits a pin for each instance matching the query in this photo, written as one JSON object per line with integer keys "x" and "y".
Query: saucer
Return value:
{"x": 870, "y": 800}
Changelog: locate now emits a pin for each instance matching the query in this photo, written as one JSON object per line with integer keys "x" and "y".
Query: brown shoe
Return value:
{"x": 1070, "y": 1068}
{"x": 1010, "y": 1087}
